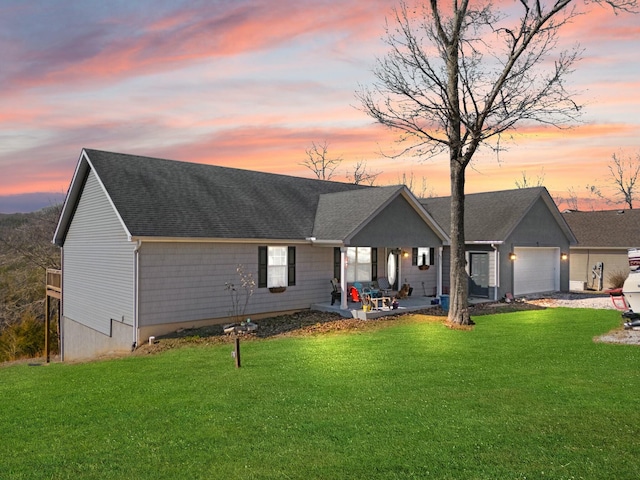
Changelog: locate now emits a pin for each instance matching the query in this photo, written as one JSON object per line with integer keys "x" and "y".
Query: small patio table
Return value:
{"x": 375, "y": 302}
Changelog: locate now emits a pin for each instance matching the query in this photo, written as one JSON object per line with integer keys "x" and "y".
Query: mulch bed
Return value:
{"x": 307, "y": 323}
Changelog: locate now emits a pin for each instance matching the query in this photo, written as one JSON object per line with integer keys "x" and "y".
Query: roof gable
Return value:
{"x": 493, "y": 216}
{"x": 342, "y": 215}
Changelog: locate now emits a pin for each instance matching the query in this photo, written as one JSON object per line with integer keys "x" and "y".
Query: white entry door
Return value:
{"x": 536, "y": 270}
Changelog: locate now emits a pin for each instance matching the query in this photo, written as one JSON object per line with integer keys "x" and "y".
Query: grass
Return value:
{"x": 523, "y": 395}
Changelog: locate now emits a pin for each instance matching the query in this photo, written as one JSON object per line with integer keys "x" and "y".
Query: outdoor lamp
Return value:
{"x": 564, "y": 256}
{"x": 512, "y": 256}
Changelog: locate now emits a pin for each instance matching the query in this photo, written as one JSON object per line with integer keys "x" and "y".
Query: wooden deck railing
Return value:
{"x": 54, "y": 283}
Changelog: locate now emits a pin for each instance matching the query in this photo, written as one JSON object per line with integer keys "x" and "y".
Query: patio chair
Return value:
{"x": 363, "y": 292}
{"x": 335, "y": 294}
{"x": 355, "y": 294}
{"x": 372, "y": 290}
{"x": 385, "y": 288}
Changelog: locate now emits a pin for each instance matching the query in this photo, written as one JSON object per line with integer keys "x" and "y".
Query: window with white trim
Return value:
{"x": 358, "y": 264}
{"x": 424, "y": 256}
{"x": 276, "y": 267}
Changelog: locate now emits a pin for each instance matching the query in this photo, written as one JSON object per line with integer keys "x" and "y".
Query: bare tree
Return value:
{"x": 25, "y": 252}
{"x": 318, "y": 161}
{"x": 361, "y": 174}
{"x": 410, "y": 181}
{"x": 572, "y": 199}
{"x": 624, "y": 174}
{"x": 526, "y": 181}
{"x": 458, "y": 77}
{"x": 31, "y": 240}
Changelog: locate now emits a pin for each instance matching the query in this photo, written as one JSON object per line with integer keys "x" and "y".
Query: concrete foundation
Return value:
{"x": 82, "y": 343}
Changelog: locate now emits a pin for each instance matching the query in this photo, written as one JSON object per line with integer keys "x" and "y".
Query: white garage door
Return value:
{"x": 536, "y": 270}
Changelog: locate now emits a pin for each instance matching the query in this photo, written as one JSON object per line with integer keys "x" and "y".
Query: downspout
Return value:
{"x": 136, "y": 296}
{"x": 497, "y": 272}
{"x": 439, "y": 277}
{"x": 343, "y": 278}
{"x": 61, "y": 305}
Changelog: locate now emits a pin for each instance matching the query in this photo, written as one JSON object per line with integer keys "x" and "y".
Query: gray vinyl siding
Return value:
{"x": 538, "y": 228}
{"x": 398, "y": 224}
{"x": 185, "y": 281}
{"x": 98, "y": 265}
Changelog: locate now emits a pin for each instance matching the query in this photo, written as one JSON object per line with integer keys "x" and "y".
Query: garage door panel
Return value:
{"x": 536, "y": 270}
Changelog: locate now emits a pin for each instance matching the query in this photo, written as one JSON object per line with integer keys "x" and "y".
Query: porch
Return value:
{"x": 406, "y": 305}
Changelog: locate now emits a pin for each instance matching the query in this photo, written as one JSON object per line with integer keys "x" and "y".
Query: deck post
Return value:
{"x": 53, "y": 290}
{"x": 47, "y": 322}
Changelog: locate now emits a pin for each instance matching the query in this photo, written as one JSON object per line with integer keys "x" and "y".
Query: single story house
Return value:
{"x": 517, "y": 242}
{"x": 604, "y": 237}
{"x": 151, "y": 245}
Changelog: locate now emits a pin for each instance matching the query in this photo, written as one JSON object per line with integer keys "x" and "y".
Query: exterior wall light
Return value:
{"x": 405, "y": 254}
{"x": 512, "y": 256}
{"x": 564, "y": 256}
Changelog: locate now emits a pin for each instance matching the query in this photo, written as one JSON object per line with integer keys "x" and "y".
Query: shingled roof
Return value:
{"x": 605, "y": 228}
{"x": 492, "y": 216}
{"x": 172, "y": 199}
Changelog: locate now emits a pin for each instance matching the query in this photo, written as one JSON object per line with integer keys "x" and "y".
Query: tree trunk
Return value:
{"x": 459, "y": 284}
{"x": 458, "y": 305}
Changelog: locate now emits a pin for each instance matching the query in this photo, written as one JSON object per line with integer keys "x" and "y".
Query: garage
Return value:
{"x": 536, "y": 270}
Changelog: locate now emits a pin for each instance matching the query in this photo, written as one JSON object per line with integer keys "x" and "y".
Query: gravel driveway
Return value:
{"x": 574, "y": 300}
{"x": 591, "y": 300}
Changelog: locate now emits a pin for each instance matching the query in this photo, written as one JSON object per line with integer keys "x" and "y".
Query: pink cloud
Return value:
{"x": 189, "y": 36}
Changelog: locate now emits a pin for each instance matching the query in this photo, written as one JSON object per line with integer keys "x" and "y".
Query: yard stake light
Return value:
{"x": 236, "y": 351}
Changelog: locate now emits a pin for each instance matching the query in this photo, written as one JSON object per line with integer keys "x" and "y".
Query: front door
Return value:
{"x": 479, "y": 274}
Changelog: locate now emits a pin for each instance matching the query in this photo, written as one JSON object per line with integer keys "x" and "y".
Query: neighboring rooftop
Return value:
{"x": 605, "y": 228}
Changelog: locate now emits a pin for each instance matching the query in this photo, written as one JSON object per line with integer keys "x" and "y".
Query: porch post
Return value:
{"x": 439, "y": 276}
{"x": 343, "y": 278}
{"x": 496, "y": 274}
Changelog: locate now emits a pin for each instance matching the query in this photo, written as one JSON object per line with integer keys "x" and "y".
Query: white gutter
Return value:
{"x": 257, "y": 241}
{"x": 61, "y": 305}
{"x": 335, "y": 243}
{"x": 485, "y": 242}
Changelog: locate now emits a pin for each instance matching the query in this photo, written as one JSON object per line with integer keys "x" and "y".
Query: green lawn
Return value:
{"x": 523, "y": 395}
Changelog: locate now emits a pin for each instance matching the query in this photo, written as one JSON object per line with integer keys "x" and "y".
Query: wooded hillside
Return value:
{"x": 26, "y": 252}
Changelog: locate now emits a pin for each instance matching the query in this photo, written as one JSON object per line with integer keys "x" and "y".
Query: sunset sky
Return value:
{"x": 251, "y": 84}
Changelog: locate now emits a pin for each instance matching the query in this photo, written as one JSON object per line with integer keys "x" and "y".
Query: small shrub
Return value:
{"x": 24, "y": 339}
{"x": 240, "y": 294}
{"x": 616, "y": 278}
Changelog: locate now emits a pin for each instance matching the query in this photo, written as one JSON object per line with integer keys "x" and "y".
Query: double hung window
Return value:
{"x": 423, "y": 256}
{"x": 359, "y": 264}
{"x": 276, "y": 266}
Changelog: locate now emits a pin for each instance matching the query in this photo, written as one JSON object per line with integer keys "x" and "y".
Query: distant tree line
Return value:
{"x": 26, "y": 252}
